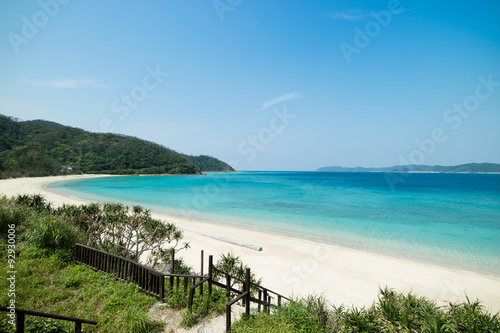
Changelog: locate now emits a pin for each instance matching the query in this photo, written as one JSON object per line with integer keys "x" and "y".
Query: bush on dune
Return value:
{"x": 394, "y": 312}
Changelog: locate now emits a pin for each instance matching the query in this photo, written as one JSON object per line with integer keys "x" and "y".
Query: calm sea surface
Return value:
{"x": 446, "y": 219}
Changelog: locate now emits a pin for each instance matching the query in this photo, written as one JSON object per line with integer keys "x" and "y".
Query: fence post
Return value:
{"x": 210, "y": 260}
{"x": 107, "y": 264}
{"x": 172, "y": 269}
{"x": 20, "y": 322}
{"x": 201, "y": 262}
{"x": 140, "y": 276}
{"x": 191, "y": 297}
{"x": 120, "y": 268}
{"x": 228, "y": 285}
{"x": 162, "y": 287}
{"x": 266, "y": 305}
{"x": 201, "y": 285}
{"x": 260, "y": 296}
{"x": 228, "y": 318}
{"x": 247, "y": 289}
{"x": 78, "y": 327}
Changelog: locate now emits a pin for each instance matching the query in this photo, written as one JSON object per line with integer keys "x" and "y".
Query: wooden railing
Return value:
{"x": 21, "y": 314}
{"x": 246, "y": 295}
{"x": 148, "y": 280}
{"x": 153, "y": 282}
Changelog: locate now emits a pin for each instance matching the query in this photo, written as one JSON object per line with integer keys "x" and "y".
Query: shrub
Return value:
{"x": 53, "y": 235}
{"x": 46, "y": 325}
{"x": 189, "y": 319}
{"x": 35, "y": 201}
{"x": 10, "y": 214}
{"x": 309, "y": 314}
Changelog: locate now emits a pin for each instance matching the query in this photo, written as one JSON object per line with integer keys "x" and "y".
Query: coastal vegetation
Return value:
{"x": 209, "y": 163}
{"x": 42, "y": 148}
{"x": 48, "y": 280}
{"x": 393, "y": 312}
{"x": 232, "y": 265}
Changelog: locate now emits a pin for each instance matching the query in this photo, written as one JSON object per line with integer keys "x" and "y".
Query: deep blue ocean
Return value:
{"x": 446, "y": 219}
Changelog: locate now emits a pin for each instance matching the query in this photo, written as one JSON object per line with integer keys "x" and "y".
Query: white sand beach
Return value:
{"x": 292, "y": 266}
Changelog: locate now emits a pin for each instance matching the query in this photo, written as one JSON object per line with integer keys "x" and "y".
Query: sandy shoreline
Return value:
{"x": 292, "y": 266}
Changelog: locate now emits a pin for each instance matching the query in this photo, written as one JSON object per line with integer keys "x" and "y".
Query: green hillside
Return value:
{"x": 41, "y": 148}
{"x": 209, "y": 163}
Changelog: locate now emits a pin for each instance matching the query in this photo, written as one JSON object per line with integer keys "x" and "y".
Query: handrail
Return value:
{"x": 228, "y": 309}
{"x": 193, "y": 289}
{"x": 149, "y": 280}
{"x": 185, "y": 276}
{"x": 152, "y": 282}
{"x": 22, "y": 313}
{"x": 116, "y": 256}
{"x": 252, "y": 285}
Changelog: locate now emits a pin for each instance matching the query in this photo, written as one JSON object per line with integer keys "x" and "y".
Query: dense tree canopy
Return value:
{"x": 209, "y": 163}
{"x": 40, "y": 148}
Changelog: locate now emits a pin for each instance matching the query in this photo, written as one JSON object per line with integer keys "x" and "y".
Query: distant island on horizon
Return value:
{"x": 462, "y": 168}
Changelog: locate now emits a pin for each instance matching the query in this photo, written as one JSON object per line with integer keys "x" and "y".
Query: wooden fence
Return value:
{"x": 126, "y": 270}
{"x": 153, "y": 282}
{"x": 21, "y": 314}
{"x": 266, "y": 299}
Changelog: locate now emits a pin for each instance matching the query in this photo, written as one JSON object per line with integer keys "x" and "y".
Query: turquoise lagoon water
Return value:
{"x": 446, "y": 219}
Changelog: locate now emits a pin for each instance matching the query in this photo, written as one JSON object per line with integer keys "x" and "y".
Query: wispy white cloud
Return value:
{"x": 361, "y": 14}
{"x": 351, "y": 15}
{"x": 282, "y": 98}
{"x": 67, "y": 83}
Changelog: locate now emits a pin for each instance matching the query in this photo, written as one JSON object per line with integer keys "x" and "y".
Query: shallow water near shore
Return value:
{"x": 447, "y": 219}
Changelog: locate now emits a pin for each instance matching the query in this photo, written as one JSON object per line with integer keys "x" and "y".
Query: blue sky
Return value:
{"x": 264, "y": 85}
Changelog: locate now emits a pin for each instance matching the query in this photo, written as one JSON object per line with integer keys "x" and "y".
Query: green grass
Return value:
{"x": 310, "y": 314}
{"x": 50, "y": 284}
{"x": 47, "y": 280}
{"x": 203, "y": 305}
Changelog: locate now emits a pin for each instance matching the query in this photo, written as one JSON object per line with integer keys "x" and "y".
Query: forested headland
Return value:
{"x": 42, "y": 148}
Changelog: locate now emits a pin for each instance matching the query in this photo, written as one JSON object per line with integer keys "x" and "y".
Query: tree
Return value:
{"x": 126, "y": 232}
{"x": 232, "y": 265}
